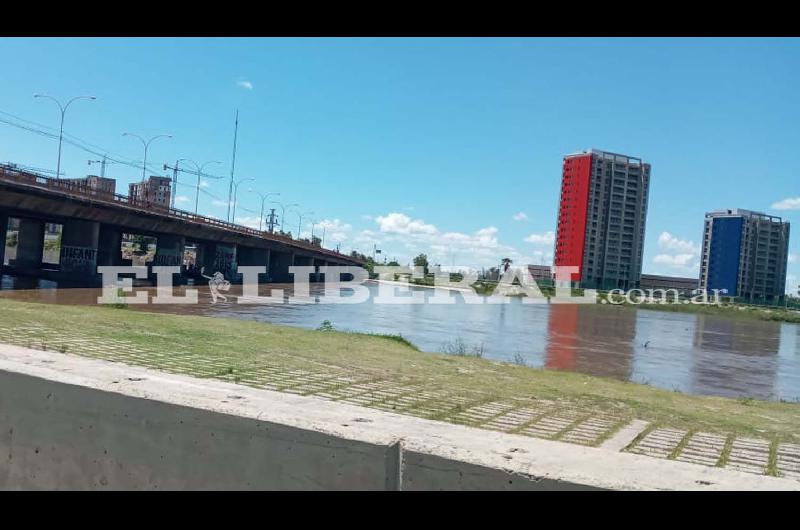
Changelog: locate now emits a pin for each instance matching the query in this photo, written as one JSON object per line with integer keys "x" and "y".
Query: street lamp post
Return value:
{"x": 283, "y": 210}
{"x": 146, "y": 145}
{"x": 235, "y": 191}
{"x": 63, "y": 109}
{"x": 199, "y": 170}
{"x": 263, "y": 200}
{"x": 300, "y": 221}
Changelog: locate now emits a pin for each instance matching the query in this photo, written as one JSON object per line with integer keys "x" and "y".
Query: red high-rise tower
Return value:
{"x": 601, "y": 218}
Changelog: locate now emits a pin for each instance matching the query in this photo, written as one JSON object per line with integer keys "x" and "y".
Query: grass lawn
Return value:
{"x": 375, "y": 371}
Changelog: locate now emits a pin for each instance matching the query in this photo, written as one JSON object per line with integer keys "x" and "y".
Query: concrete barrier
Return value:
{"x": 68, "y": 422}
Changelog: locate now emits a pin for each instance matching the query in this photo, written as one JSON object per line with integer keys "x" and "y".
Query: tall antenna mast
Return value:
{"x": 233, "y": 164}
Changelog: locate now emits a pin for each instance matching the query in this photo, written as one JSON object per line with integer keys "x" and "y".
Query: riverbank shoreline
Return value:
{"x": 422, "y": 286}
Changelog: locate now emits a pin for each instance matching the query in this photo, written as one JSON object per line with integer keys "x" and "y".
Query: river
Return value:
{"x": 697, "y": 354}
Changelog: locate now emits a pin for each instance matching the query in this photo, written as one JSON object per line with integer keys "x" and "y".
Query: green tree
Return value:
{"x": 369, "y": 263}
{"x": 139, "y": 243}
{"x": 506, "y": 263}
{"x": 422, "y": 261}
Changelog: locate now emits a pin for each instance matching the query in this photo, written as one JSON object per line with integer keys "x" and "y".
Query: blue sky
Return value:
{"x": 432, "y": 145}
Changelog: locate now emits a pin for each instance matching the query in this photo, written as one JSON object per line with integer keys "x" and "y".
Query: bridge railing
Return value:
{"x": 82, "y": 188}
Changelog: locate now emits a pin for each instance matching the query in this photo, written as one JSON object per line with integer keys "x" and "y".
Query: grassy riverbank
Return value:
{"x": 327, "y": 362}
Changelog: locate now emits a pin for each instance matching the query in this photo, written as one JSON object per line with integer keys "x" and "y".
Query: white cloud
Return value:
{"x": 521, "y": 216}
{"x": 681, "y": 256}
{"x": 792, "y": 258}
{"x": 675, "y": 260}
{"x": 548, "y": 238}
{"x": 402, "y": 237}
{"x": 204, "y": 183}
{"x": 181, "y": 199}
{"x": 335, "y": 230}
{"x": 667, "y": 241}
{"x": 398, "y": 223}
{"x": 789, "y": 203}
{"x": 217, "y": 202}
{"x": 245, "y": 84}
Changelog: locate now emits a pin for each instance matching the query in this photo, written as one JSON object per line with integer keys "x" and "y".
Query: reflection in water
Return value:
{"x": 735, "y": 357}
{"x": 680, "y": 351}
{"x": 25, "y": 282}
{"x": 788, "y": 372}
{"x": 584, "y": 339}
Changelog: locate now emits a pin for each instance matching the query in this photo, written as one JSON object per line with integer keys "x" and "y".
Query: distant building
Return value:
{"x": 541, "y": 272}
{"x": 601, "y": 218}
{"x": 746, "y": 253}
{"x": 100, "y": 185}
{"x": 682, "y": 285}
{"x": 155, "y": 190}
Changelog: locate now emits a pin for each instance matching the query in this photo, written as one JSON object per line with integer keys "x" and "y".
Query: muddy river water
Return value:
{"x": 699, "y": 354}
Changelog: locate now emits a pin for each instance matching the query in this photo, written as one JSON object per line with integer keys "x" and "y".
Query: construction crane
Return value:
{"x": 105, "y": 161}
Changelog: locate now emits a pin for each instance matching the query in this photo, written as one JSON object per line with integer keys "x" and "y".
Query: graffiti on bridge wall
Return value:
{"x": 78, "y": 259}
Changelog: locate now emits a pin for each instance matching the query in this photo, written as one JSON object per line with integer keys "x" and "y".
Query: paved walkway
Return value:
{"x": 545, "y": 419}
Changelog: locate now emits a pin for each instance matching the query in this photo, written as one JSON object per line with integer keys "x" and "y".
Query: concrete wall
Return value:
{"x": 68, "y": 422}
{"x": 59, "y": 436}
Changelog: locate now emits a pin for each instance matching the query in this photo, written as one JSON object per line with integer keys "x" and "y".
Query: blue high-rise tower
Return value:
{"x": 745, "y": 253}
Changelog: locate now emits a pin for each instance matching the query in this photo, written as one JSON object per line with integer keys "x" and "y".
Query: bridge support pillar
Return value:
{"x": 279, "y": 264}
{"x": 169, "y": 253}
{"x": 79, "y": 246}
{"x": 109, "y": 249}
{"x": 169, "y": 250}
{"x": 253, "y": 256}
{"x": 220, "y": 257}
{"x": 30, "y": 245}
{"x": 206, "y": 256}
{"x": 3, "y": 234}
{"x": 306, "y": 261}
{"x": 319, "y": 276}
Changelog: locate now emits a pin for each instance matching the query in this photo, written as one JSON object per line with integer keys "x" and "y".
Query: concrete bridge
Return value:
{"x": 93, "y": 222}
